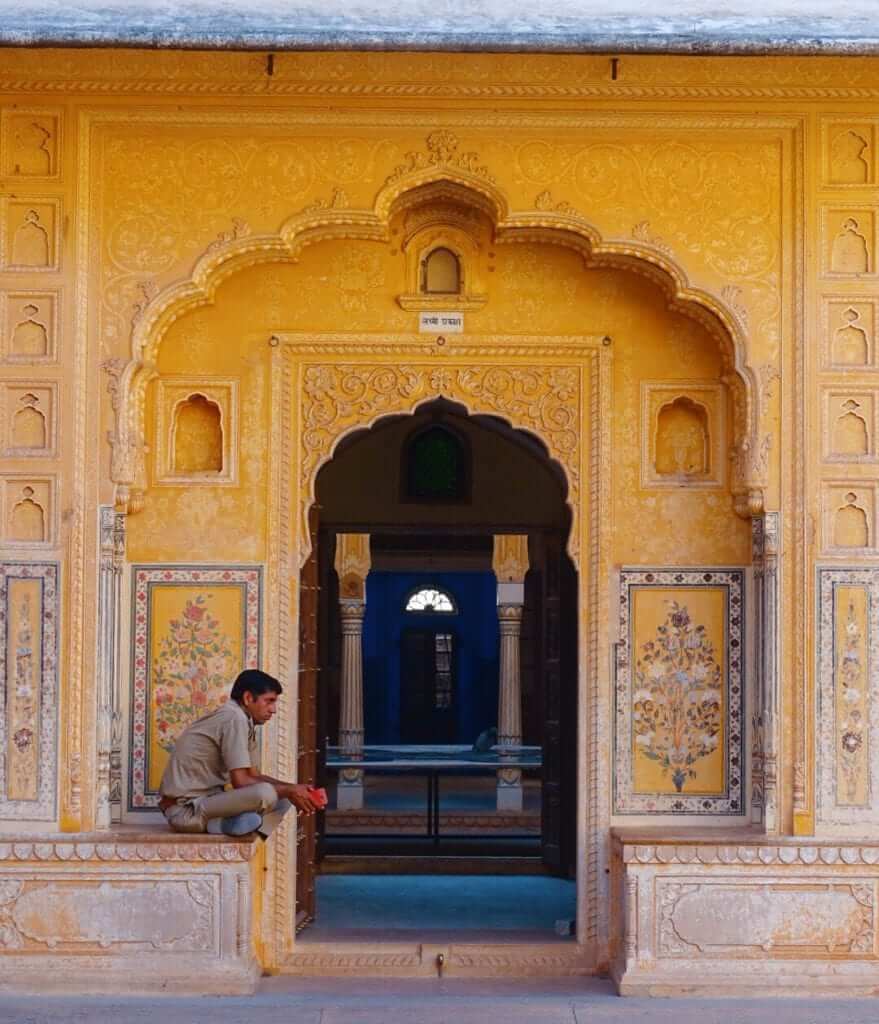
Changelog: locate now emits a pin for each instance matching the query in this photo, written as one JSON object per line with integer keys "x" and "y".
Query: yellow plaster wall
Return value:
{"x": 534, "y": 289}
{"x": 728, "y": 166}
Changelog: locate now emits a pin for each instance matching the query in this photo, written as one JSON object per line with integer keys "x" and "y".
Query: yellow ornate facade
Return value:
{"x": 210, "y": 276}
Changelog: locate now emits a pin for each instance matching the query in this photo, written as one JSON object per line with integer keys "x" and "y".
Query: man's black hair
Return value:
{"x": 254, "y": 682}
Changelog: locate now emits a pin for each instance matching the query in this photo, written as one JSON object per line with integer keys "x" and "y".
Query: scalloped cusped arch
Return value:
{"x": 441, "y": 171}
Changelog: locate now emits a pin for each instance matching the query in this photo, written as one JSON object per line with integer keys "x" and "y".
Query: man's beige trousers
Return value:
{"x": 193, "y": 815}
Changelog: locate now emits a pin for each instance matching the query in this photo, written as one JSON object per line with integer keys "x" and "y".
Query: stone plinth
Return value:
{"x": 134, "y": 912}
{"x": 743, "y": 915}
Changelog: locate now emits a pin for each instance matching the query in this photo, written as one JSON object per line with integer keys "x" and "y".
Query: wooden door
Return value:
{"x": 556, "y": 591}
{"x": 428, "y": 711}
{"x": 307, "y": 763}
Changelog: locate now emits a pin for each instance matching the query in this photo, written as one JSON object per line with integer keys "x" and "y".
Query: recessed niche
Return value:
{"x": 29, "y": 419}
{"x": 683, "y": 445}
{"x": 850, "y": 517}
{"x": 30, "y": 143}
{"x": 196, "y": 431}
{"x": 27, "y": 334}
{"x": 683, "y": 439}
{"x": 849, "y": 425}
{"x": 850, "y": 156}
{"x": 197, "y": 437}
{"x": 849, "y": 331}
{"x": 30, "y": 235}
{"x": 441, "y": 272}
{"x": 849, "y": 152}
{"x": 849, "y": 242}
{"x": 444, "y": 261}
{"x": 28, "y": 510}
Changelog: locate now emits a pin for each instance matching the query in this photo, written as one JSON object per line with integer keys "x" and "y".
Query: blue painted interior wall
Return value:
{"x": 474, "y": 628}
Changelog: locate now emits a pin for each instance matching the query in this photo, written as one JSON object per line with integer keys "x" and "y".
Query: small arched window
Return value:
{"x": 441, "y": 273}
{"x": 432, "y": 601}
{"x": 435, "y": 466}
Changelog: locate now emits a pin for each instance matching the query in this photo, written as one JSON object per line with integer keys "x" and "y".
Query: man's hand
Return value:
{"x": 300, "y": 797}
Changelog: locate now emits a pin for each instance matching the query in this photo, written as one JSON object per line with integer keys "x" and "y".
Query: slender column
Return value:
{"x": 509, "y": 715}
{"x": 352, "y": 566}
{"x": 771, "y": 673}
{"x": 510, "y": 564}
{"x": 109, "y": 716}
{"x": 351, "y": 717}
{"x": 764, "y": 765}
{"x": 349, "y": 795}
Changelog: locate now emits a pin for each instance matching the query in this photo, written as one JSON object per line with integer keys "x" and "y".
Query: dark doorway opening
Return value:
{"x": 512, "y": 488}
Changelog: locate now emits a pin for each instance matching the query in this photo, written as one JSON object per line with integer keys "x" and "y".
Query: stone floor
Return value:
{"x": 425, "y": 903}
{"x": 380, "y": 1001}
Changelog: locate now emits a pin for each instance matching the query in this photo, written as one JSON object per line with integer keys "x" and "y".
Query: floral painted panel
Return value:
{"x": 848, "y": 702}
{"x": 29, "y": 690}
{"x": 194, "y": 629}
{"x": 680, "y": 692}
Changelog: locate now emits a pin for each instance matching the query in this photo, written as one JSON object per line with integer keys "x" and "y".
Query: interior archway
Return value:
{"x": 514, "y": 489}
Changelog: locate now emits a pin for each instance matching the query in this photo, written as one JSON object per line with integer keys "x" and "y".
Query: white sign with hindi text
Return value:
{"x": 440, "y": 323}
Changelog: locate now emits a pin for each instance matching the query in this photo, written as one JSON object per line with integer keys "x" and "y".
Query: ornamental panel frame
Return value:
{"x": 38, "y": 633}
{"x": 730, "y": 800}
{"x": 847, "y": 654}
{"x": 145, "y": 579}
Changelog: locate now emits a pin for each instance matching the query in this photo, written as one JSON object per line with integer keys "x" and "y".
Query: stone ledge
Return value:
{"x": 761, "y": 856}
{"x": 123, "y": 845}
{"x": 128, "y": 910}
{"x": 739, "y": 914}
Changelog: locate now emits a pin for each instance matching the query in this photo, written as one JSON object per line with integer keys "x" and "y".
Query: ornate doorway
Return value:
{"x": 325, "y": 388}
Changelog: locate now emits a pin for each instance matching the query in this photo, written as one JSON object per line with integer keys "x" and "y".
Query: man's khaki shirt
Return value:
{"x": 208, "y": 750}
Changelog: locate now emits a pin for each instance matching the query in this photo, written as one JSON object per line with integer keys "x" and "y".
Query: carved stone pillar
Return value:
{"x": 509, "y": 718}
{"x": 352, "y": 567}
{"x": 764, "y": 767}
{"x": 109, "y": 711}
{"x": 349, "y": 795}
{"x": 510, "y": 562}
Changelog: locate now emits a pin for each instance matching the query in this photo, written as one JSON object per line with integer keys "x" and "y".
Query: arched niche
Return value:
{"x": 682, "y": 449}
{"x": 197, "y": 442}
{"x": 27, "y": 519}
{"x": 851, "y": 526}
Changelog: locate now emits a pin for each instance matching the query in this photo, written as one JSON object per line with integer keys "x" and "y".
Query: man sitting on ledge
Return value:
{"x": 219, "y": 749}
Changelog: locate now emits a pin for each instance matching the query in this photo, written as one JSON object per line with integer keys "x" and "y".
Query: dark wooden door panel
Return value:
{"x": 555, "y": 589}
{"x": 307, "y": 762}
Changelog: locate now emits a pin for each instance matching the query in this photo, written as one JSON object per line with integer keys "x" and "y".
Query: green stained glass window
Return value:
{"x": 436, "y": 466}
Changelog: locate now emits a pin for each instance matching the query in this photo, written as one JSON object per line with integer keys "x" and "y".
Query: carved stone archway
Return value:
{"x": 326, "y": 387}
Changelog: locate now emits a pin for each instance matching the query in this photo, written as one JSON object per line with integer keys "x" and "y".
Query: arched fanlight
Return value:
{"x": 431, "y": 600}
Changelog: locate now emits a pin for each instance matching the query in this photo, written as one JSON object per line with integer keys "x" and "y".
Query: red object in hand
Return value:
{"x": 318, "y": 796}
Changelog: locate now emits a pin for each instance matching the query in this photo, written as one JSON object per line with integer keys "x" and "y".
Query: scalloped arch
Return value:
{"x": 472, "y": 407}
{"x": 322, "y": 221}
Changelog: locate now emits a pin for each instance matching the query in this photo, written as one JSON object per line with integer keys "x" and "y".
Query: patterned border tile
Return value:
{"x": 829, "y": 810}
{"x": 44, "y": 807}
{"x": 144, "y": 578}
{"x": 626, "y": 801}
